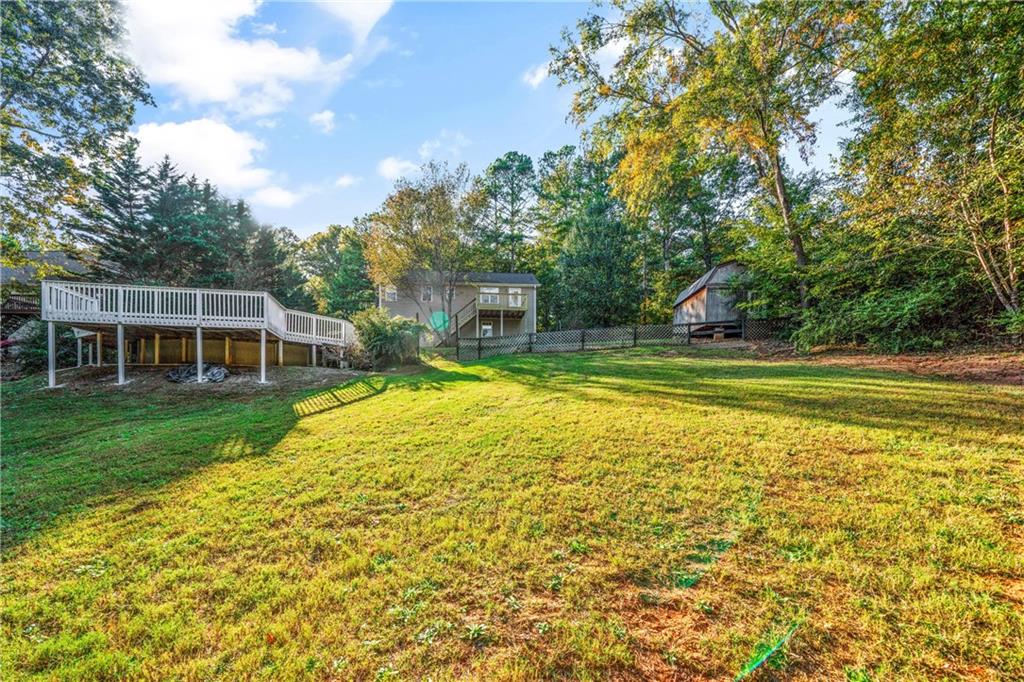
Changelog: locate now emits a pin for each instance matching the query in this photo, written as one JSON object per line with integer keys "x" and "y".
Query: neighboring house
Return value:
{"x": 25, "y": 275}
{"x": 19, "y": 292}
{"x": 483, "y": 304}
{"x": 708, "y": 299}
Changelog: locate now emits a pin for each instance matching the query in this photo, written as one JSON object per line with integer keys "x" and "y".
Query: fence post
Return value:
{"x": 529, "y": 343}
{"x": 583, "y": 339}
{"x": 743, "y": 328}
{"x": 634, "y": 336}
{"x": 689, "y": 329}
{"x": 479, "y": 346}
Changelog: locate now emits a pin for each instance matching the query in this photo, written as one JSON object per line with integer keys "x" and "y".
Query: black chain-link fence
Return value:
{"x": 571, "y": 340}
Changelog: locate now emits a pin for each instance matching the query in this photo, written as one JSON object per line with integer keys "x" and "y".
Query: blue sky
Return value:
{"x": 311, "y": 110}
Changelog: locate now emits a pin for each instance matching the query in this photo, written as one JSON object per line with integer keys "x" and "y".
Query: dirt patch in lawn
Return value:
{"x": 240, "y": 382}
{"x": 999, "y": 367}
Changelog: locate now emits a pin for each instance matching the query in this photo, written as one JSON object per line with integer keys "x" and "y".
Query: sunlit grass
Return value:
{"x": 596, "y": 515}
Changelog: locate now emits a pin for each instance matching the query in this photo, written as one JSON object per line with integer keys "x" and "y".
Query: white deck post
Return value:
{"x": 280, "y": 353}
{"x": 51, "y": 356}
{"x": 199, "y": 337}
{"x": 78, "y": 341}
{"x": 99, "y": 349}
{"x": 263, "y": 356}
{"x": 90, "y": 353}
{"x": 501, "y": 323}
{"x": 314, "y": 354}
{"x": 199, "y": 355}
{"x": 120, "y": 354}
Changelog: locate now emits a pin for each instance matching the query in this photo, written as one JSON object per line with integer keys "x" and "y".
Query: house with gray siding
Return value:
{"x": 483, "y": 303}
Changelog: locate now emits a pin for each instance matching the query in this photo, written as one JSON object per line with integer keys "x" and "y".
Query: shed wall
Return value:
{"x": 691, "y": 310}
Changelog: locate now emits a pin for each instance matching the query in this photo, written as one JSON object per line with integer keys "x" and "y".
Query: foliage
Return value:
{"x": 747, "y": 88}
{"x": 384, "y": 339}
{"x": 155, "y": 226}
{"x": 270, "y": 263}
{"x": 33, "y": 347}
{"x": 339, "y": 279}
{"x": 595, "y": 270}
{"x": 423, "y": 235}
{"x": 67, "y": 91}
{"x": 585, "y": 254}
{"x": 700, "y": 105}
{"x": 506, "y": 191}
{"x": 939, "y": 103}
{"x": 371, "y": 523}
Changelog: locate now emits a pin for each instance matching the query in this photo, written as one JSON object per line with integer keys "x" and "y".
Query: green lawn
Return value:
{"x": 628, "y": 515}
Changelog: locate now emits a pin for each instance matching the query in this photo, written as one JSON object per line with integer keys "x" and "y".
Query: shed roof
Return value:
{"x": 700, "y": 283}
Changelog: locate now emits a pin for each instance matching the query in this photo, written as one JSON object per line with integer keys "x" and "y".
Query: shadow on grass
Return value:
{"x": 341, "y": 396}
{"x": 844, "y": 396}
{"x": 371, "y": 386}
{"x": 64, "y": 452}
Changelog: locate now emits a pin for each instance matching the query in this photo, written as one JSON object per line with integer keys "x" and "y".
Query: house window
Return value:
{"x": 427, "y": 294}
{"x": 390, "y": 294}
{"x": 486, "y": 329}
{"x": 489, "y": 295}
{"x": 515, "y": 298}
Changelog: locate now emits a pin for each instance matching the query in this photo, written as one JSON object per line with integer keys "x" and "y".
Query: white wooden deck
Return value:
{"x": 94, "y": 304}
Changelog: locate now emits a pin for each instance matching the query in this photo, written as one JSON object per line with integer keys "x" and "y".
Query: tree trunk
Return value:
{"x": 797, "y": 242}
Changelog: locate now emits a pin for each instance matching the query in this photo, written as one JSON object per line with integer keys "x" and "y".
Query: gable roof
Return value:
{"x": 25, "y": 274}
{"x": 700, "y": 283}
{"x": 500, "y": 278}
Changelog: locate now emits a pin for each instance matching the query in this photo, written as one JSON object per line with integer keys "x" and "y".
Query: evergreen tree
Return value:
{"x": 339, "y": 277}
{"x": 270, "y": 264}
{"x": 597, "y": 275}
{"x": 507, "y": 194}
{"x": 116, "y": 229}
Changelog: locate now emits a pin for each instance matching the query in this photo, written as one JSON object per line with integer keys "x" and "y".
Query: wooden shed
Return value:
{"x": 708, "y": 298}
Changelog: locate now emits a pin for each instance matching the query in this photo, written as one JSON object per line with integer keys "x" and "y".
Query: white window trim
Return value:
{"x": 390, "y": 295}
{"x": 490, "y": 295}
{"x": 487, "y": 326}
{"x": 427, "y": 294}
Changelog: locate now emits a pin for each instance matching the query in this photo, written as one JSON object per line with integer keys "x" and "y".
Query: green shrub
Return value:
{"x": 32, "y": 351}
{"x": 1013, "y": 323}
{"x": 384, "y": 340}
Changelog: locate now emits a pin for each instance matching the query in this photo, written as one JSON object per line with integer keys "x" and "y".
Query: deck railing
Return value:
{"x": 86, "y": 302}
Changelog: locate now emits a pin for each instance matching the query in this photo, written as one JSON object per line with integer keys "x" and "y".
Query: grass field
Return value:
{"x": 607, "y": 515}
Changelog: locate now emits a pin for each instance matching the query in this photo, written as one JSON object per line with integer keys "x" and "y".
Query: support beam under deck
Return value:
{"x": 120, "y": 354}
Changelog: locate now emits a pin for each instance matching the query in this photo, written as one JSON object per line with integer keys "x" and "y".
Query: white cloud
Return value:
{"x": 269, "y": 123}
{"x": 611, "y": 53}
{"x": 210, "y": 149}
{"x": 192, "y": 47}
{"x": 449, "y": 143}
{"x": 275, "y": 197}
{"x": 393, "y": 167}
{"x": 536, "y": 75}
{"x": 346, "y": 180}
{"x": 214, "y": 151}
{"x": 324, "y": 120}
{"x": 359, "y": 15}
{"x": 266, "y": 29}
